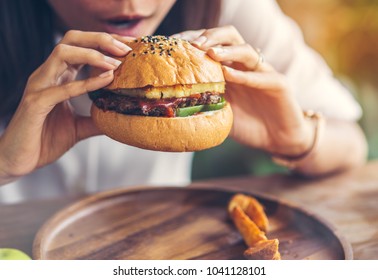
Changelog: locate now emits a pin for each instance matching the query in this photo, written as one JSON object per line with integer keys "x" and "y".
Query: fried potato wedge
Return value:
{"x": 263, "y": 250}
{"x": 240, "y": 200}
{"x": 252, "y": 208}
{"x": 247, "y": 228}
{"x": 251, "y": 221}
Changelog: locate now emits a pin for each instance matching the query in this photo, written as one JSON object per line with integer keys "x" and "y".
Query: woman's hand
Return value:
{"x": 44, "y": 125}
{"x": 266, "y": 114}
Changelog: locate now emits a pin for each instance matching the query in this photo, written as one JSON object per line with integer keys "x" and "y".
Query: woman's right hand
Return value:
{"x": 44, "y": 125}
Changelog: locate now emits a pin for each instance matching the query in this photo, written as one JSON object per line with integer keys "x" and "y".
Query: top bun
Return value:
{"x": 160, "y": 61}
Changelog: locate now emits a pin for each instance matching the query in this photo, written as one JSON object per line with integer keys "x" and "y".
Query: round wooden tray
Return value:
{"x": 177, "y": 223}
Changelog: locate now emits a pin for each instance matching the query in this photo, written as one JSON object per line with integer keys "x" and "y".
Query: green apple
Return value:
{"x": 13, "y": 254}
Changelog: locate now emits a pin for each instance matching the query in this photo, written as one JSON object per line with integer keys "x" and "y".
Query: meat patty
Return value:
{"x": 165, "y": 107}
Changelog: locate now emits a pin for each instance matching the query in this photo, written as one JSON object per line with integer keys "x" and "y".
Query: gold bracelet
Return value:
{"x": 293, "y": 161}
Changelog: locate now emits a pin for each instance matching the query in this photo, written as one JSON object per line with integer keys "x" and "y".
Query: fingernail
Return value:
{"x": 106, "y": 74}
{"x": 200, "y": 40}
{"x": 178, "y": 36}
{"x": 112, "y": 61}
{"x": 218, "y": 50}
{"x": 229, "y": 69}
{"x": 121, "y": 45}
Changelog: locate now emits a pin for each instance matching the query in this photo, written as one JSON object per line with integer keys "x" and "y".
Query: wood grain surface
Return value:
{"x": 177, "y": 223}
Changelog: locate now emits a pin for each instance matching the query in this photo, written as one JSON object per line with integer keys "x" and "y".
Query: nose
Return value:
{"x": 131, "y": 5}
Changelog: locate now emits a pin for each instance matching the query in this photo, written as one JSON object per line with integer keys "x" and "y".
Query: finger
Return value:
{"x": 225, "y": 36}
{"x": 243, "y": 54}
{"x": 54, "y": 95}
{"x": 96, "y": 40}
{"x": 64, "y": 56}
{"x": 188, "y": 35}
{"x": 269, "y": 82}
{"x": 123, "y": 39}
{"x": 86, "y": 128}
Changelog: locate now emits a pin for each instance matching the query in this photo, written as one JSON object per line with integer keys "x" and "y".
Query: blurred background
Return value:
{"x": 345, "y": 33}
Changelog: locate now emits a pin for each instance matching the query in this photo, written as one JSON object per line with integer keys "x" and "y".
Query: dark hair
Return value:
{"x": 27, "y": 38}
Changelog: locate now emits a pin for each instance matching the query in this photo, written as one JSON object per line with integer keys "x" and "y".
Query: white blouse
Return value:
{"x": 100, "y": 163}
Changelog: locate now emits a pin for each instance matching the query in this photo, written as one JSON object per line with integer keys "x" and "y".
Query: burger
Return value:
{"x": 166, "y": 95}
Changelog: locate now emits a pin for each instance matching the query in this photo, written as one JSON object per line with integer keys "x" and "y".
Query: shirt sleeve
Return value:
{"x": 263, "y": 25}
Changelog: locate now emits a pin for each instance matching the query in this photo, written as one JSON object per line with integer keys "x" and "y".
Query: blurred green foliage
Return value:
{"x": 345, "y": 33}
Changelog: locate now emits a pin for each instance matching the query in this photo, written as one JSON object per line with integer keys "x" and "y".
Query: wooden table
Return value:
{"x": 348, "y": 201}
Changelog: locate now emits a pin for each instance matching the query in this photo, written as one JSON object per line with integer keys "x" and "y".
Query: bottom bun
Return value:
{"x": 181, "y": 134}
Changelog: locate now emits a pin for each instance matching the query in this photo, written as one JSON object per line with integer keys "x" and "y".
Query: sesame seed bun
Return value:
{"x": 158, "y": 61}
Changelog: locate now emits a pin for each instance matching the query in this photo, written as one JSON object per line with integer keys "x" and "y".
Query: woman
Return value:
{"x": 39, "y": 150}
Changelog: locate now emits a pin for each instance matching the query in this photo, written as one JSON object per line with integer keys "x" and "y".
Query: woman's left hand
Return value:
{"x": 266, "y": 114}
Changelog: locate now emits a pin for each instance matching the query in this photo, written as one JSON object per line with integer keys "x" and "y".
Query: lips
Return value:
{"x": 123, "y": 25}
